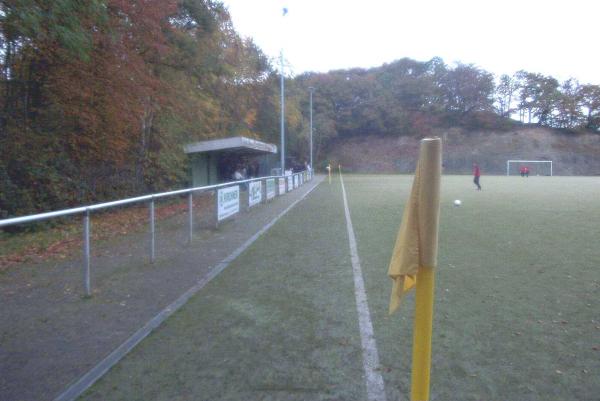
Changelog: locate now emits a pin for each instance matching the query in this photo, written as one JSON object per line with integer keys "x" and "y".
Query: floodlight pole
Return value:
{"x": 282, "y": 118}
{"x": 311, "y": 89}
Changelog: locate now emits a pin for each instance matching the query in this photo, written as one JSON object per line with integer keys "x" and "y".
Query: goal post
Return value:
{"x": 541, "y": 167}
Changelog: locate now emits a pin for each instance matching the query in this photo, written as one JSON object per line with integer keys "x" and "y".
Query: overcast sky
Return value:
{"x": 552, "y": 37}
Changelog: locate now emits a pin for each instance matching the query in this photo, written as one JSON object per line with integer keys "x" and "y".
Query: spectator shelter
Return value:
{"x": 215, "y": 161}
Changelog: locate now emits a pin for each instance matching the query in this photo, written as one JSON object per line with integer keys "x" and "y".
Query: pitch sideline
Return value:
{"x": 374, "y": 381}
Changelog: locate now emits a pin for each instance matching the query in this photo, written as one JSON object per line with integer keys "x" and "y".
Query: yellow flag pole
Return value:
{"x": 421, "y": 360}
{"x": 414, "y": 259}
{"x": 428, "y": 221}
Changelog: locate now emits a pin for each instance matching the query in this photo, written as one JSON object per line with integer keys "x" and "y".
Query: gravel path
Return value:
{"x": 51, "y": 336}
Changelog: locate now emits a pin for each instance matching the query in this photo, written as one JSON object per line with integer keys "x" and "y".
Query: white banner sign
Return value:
{"x": 290, "y": 183}
{"x": 281, "y": 186}
{"x": 271, "y": 188}
{"x": 228, "y": 202}
{"x": 254, "y": 193}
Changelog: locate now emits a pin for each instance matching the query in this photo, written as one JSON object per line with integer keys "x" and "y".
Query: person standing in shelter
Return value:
{"x": 476, "y": 175}
{"x": 237, "y": 174}
{"x": 522, "y": 171}
{"x": 526, "y": 171}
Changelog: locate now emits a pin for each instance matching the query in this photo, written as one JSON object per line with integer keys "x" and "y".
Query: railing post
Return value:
{"x": 152, "y": 251}
{"x": 191, "y": 217}
{"x": 263, "y": 191}
{"x": 86, "y": 254}
{"x": 216, "y": 208}
{"x": 247, "y": 197}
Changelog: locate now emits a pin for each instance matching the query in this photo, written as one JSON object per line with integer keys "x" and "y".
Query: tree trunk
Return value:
{"x": 146, "y": 130}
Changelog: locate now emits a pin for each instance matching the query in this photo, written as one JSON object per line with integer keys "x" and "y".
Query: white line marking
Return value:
{"x": 87, "y": 380}
{"x": 375, "y": 386}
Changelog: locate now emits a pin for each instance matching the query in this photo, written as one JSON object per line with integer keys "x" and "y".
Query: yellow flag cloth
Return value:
{"x": 416, "y": 244}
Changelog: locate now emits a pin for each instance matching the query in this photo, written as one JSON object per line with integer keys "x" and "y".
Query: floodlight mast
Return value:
{"x": 285, "y": 11}
{"x": 311, "y": 89}
{"x": 282, "y": 118}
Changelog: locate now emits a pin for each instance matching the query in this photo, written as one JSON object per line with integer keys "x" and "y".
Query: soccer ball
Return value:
{"x": 457, "y": 202}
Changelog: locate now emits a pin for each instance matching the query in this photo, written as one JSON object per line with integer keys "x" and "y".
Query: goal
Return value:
{"x": 536, "y": 167}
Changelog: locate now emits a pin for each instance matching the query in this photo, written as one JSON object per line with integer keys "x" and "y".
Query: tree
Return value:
{"x": 538, "y": 96}
{"x": 99, "y": 96}
{"x": 467, "y": 88}
{"x": 526, "y": 95}
{"x": 568, "y": 106}
{"x": 34, "y": 36}
{"x": 505, "y": 91}
{"x": 590, "y": 102}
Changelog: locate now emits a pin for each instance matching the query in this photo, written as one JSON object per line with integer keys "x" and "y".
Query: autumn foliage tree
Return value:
{"x": 99, "y": 96}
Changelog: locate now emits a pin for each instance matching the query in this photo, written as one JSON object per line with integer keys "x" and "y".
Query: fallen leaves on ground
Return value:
{"x": 66, "y": 240}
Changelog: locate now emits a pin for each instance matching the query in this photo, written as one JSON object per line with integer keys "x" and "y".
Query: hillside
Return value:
{"x": 572, "y": 154}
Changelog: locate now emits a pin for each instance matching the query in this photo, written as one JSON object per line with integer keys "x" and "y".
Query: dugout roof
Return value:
{"x": 237, "y": 144}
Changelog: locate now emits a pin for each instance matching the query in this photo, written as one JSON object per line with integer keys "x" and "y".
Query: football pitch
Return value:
{"x": 516, "y": 316}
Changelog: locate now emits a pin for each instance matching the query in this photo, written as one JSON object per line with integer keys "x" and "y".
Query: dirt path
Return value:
{"x": 50, "y": 335}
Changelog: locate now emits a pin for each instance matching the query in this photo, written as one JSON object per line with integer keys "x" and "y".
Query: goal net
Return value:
{"x": 535, "y": 167}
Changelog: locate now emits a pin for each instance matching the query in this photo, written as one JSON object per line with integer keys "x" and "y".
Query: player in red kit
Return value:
{"x": 476, "y": 175}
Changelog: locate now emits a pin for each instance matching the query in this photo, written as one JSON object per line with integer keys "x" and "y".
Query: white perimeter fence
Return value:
{"x": 227, "y": 204}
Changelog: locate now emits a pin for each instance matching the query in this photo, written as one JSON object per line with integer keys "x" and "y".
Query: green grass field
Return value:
{"x": 516, "y": 310}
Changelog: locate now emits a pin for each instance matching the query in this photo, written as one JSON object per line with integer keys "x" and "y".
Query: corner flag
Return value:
{"x": 415, "y": 257}
{"x": 416, "y": 244}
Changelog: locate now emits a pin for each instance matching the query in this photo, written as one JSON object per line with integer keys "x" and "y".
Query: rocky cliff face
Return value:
{"x": 571, "y": 154}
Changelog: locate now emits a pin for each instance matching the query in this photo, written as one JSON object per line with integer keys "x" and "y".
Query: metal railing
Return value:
{"x": 87, "y": 210}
